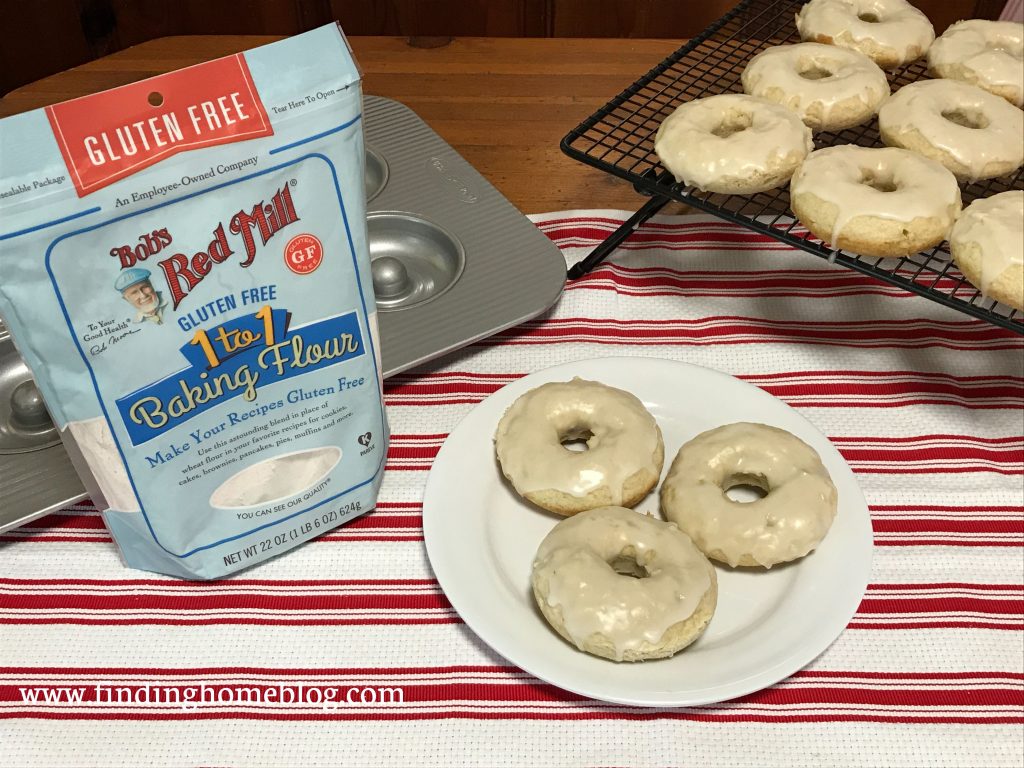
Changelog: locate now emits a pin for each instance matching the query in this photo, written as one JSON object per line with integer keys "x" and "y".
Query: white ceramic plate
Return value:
{"x": 481, "y": 540}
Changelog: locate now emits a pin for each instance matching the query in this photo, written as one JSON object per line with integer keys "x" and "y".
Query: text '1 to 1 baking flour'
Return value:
{"x": 184, "y": 267}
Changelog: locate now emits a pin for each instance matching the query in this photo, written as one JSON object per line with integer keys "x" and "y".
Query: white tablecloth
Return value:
{"x": 925, "y": 403}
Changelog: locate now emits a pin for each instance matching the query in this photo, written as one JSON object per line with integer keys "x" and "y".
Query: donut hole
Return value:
{"x": 812, "y": 71}
{"x": 625, "y": 564}
{"x": 733, "y": 121}
{"x": 576, "y": 440}
{"x": 869, "y": 17}
{"x": 745, "y": 488}
{"x": 883, "y": 182}
{"x": 968, "y": 118}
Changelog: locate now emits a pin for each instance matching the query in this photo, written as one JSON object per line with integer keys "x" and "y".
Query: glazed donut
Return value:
{"x": 830, "y": 88}
{"x": 732, "y": 143}
{"x": 891, "y": 32}
{"x": 987, "y": 243}
{"x": 972, "y": 132}
{"x": 624, "y": 452}
{"x": 786, "y": 524}
{"x": 988, "y": 54}
{"x": 876, "y": 202}
{"x": 619, "y": 584}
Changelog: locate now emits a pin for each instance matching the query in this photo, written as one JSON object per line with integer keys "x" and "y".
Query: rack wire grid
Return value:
{"x": 619, "y": 139}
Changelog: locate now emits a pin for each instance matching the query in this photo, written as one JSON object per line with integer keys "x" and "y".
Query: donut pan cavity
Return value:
{"x": 452, "y": 262}
{"x": 25, "y": 424}
{"x": 413, "y": 260}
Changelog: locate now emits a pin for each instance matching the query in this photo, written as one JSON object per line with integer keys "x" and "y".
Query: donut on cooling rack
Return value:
{"x": 987, "y": 243}
{"x": 988, "y": 54}
{"x": 882, "y": 202}
{"x": 619, "y": 584}
{"x": 891, "y": 32}
{"x": 830, "y": 88}
{"x": 790, "y": 521}
{"x": 973, "y": 133}
{"x": 624, "y": 450}
{"x": 732, "y": 143}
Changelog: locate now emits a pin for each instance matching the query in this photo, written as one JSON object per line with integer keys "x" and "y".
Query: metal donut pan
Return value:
{"x": 448, "y": 223}
{"x": 453, "y": 262}
{"x": 36, "y": 476}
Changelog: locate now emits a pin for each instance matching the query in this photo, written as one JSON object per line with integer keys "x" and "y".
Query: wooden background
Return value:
{"x": 41, "y": 37}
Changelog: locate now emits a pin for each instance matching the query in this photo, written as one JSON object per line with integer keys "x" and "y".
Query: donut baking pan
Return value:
{"x": 36, "y": 476}
{"x": 452, "y": 261}
{"x": 619, "y": 139}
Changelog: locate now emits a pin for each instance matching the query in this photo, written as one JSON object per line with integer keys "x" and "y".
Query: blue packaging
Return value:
{"x": 184, "y": 267}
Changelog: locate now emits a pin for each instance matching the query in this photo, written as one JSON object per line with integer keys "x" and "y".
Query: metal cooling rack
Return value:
{"x": 619, "y": 139}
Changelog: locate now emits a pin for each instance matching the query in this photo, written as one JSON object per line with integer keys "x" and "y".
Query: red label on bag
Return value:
{"x": 108, "y": 136}
{"x": 303, "y": 254}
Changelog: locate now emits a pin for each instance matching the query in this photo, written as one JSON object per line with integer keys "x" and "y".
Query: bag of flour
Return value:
{"x": 184, "y": 267}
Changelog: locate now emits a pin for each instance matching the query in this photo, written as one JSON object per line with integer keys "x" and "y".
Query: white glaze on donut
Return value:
{"x": 849, "y": 176}
{"x": 841, "y": 77}
{"x": 786, "y": 524}
{"x": 996, "y": 225}
{"x": 990, "y": 52}
{"x": 901, "y": 33}
{"x": 923, "y": 107}
{"x": 575, "y": 562}
{"x": 691, "y": 144}
{"x": 528, "y": 440}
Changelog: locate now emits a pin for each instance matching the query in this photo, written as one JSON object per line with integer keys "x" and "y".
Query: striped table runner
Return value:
{"x": 926, "y": 404}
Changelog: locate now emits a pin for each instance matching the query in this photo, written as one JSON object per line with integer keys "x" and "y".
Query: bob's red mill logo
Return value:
{"x": 108, "y": 136}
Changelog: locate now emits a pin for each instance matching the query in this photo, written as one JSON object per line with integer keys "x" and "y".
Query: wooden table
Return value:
{"x": 503, "y": 103}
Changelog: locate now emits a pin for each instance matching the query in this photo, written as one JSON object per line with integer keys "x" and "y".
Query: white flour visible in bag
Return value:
{"x": 184, "y": 266}
{"x": 275, "y": 479}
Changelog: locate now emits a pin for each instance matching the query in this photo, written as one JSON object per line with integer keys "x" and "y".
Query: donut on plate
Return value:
{"x": 619, "y": 584}
{"x": 891, "y": 32}
{"x": 787, "y": 523}
{"x": 972, "y": 132}
{"x": 882, "y": 202}
{"x": 732, "y": 143}
{"x": 988, "y": 54}
{"x": 987, "y": 243}
{"x": 623, "y": 453}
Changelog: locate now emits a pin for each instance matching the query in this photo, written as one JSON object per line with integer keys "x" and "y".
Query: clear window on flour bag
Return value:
{"x": 195, "y": 301}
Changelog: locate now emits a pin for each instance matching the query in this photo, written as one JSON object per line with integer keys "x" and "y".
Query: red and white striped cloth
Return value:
{"x": 926, "y": 404}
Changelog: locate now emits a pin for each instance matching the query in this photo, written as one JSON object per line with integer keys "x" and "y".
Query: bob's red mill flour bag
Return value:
{"x": 184, "y": 267}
